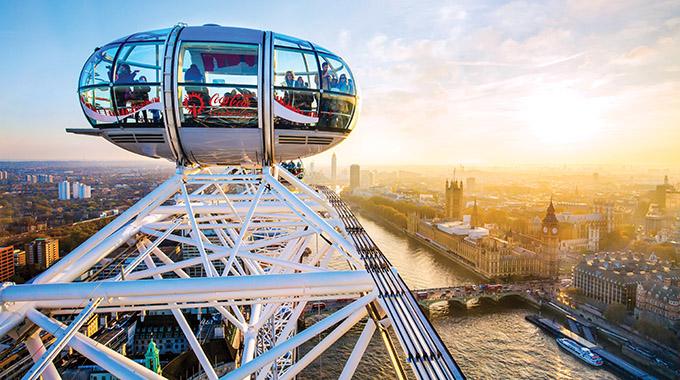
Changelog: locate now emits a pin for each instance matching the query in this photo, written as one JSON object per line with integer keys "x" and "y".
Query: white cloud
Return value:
{"x": 638, "y": 55}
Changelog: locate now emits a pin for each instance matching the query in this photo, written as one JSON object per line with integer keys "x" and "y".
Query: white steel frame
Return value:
{"x": 252, "y": 236}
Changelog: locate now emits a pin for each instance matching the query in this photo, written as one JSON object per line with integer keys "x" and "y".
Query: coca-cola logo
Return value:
{"x": 236, "y": 101}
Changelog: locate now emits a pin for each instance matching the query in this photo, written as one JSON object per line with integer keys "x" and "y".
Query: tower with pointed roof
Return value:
{"x": 474, "y": 219}
{"x": 454, "y": 200}
{"x": 549, "y": 254}
{"x": 152, "y": 359}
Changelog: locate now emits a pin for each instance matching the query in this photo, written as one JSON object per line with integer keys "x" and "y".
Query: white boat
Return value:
{"x": 581, "y": 352}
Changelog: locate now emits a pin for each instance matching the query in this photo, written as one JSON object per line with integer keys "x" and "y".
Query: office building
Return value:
{"x": 43, "y": 252}
{"x": 19, "y": 257}
{"x": 659, "y": 301}
{"x": 45, "y": 178}
{"x": 334, "y": 169}
{"x": 81, "y": 191}
{"x": 64, "y": 190}
{"x": 471, "y": 184}
{"x": 614, "y": 277}
{"x": 354, "y": 176}
{"x": 6, "y": 263}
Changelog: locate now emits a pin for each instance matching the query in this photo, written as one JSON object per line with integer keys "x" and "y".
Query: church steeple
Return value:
{"x": 474, "y": 220}
{"x": 152, "y": 359}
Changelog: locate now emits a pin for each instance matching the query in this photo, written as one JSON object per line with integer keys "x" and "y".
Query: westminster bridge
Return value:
{"x": 532, "y": 291}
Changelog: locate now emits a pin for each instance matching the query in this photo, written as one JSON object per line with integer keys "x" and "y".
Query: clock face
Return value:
{"x": 554, "y": 230}
{"x": 545, "y": 229}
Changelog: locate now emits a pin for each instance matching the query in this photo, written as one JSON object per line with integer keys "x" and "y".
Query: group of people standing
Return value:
{"x": 325, "y": 81}
{"x": 137, "y": 96}
{"x": 328, "y": 81}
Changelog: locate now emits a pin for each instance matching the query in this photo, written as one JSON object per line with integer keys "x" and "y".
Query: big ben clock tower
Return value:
{"x": 549, "y": 244}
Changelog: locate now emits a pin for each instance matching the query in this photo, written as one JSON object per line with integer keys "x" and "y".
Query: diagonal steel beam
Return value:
{"x": 56, "y": 347}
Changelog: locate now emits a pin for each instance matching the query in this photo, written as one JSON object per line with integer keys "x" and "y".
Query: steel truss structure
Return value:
{"x": 256, "y": 251}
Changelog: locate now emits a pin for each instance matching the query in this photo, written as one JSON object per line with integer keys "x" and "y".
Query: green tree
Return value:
{"x": 26, "y": 221}
{"x": 499, "y": 217}
{"x": 615, "y": 313}
{"x": 656, "y": 331}
{"x": 576, "y": 294}
{"x": 613, "y": 241}
{"x": 641, "y": 246}
{"x": 628, "y": 232}
{"x": 665, "y": 251}
{"x": 520, "y": 225}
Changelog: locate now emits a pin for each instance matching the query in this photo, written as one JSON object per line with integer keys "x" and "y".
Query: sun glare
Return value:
{"x": 560, "y": 116}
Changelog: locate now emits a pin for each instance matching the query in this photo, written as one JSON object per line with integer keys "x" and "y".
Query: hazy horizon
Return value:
{"x": 446, "y": 83}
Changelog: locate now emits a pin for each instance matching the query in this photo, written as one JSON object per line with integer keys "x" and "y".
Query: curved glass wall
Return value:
{"x": 217, "y": 85}
{"x": 137, "y": 84}
{"x": 120, "y": 83}
{"x": 312, "y": 88}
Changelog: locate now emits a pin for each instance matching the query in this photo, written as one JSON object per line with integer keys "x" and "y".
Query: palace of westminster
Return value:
{"x": 535, "y": 254}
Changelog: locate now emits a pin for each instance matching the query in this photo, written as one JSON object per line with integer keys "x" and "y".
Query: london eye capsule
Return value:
{"x": 213, "y": 95}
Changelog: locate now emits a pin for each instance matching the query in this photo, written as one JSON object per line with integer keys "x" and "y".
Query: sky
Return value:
{"x": 443, "y": 82}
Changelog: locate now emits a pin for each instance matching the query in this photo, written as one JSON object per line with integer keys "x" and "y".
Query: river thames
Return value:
{"x": 488, "y": 341}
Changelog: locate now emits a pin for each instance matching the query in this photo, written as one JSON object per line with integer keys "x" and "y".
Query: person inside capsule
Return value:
{"x": 326, "y": 77}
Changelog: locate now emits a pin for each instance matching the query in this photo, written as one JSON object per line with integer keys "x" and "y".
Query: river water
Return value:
{"x": 488, "y": 341}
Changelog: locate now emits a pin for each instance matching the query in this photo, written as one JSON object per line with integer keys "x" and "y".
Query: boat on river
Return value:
{"x": 581, "y": 352}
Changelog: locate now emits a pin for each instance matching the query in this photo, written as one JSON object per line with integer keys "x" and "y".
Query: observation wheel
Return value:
{"x": 232, "y": 234}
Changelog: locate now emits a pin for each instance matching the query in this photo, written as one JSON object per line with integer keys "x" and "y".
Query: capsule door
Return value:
{"x": 219, "y": 95}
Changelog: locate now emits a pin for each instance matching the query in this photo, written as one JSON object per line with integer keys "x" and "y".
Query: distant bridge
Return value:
{"x": 530, "y": 291}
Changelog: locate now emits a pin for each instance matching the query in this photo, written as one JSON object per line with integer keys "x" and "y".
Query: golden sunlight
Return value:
{"x": 560, "y": 116}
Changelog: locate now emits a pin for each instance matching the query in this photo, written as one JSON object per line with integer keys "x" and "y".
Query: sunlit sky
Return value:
{"x": 443, "y": 82}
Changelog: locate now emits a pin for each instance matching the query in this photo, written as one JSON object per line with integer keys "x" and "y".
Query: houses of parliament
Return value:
{"x": 492, "y": 257}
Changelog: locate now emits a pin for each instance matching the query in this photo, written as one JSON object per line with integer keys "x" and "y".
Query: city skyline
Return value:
{"x": 487, "y": 83}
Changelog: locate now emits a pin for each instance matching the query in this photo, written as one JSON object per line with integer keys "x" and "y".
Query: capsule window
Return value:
{"x": 336, "y": 111}
{"x": 139, "y": 60}
{"x": 136, "y": 89}
{"x": 97, "y": 105}
{"x": 217, "y": 63}
{"x": 292, "y": 42}
{"x": 335, "y": 75}
{"x": 296, "y": 94}
{"x": 99, "y": 68}
{"x": 294, "y": 68}
{"x": 218, "y": 85}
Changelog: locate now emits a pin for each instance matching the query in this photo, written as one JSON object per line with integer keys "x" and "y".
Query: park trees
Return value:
{"x": 615, "y": 313}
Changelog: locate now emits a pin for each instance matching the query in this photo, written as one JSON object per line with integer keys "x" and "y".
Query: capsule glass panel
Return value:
{"x": 292, "y": 42}
{"x": 218, "y": 106}
{"x": 337, "y": 77}
{"x": 136, "y": 90}
{"x": 143, "y": 61}
{"x": 97, "y": 105}
{"x": 336, "y": 111}
{"x": 158, "y": 35}
{"x": 218, "y": 85}
{"x": 99, "y": 68}
{"x": 294, "y": 68}
{"x": 296, "y": 108}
